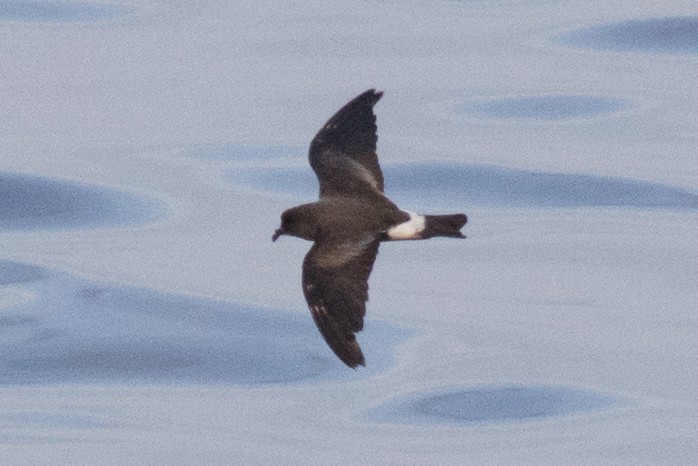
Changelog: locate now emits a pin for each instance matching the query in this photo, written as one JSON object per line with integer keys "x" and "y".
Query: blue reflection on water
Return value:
{"x": 554, "y": 107}
{"x": 31, "y": 203}
{"x": 77, "y": 331}
{"x": 12, "y": 273}
{"x": 491, "y": 404}
{"x": 61, "y": 419}
{"x": 452, "y": 185}
{"x": 523, "y": 188}
{"x": 49, "y": 11}
{"x": 658, "y": 35}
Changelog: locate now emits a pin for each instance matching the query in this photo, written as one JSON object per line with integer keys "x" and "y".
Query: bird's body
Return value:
{"x": 346, "y": 217}
{"x": 348, "y": 223}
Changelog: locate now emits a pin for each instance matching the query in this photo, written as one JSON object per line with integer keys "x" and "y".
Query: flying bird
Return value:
{"x": 348, "y": 222}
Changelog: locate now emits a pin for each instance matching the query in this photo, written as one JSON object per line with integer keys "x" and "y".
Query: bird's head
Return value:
{"x": 297, "y": 221}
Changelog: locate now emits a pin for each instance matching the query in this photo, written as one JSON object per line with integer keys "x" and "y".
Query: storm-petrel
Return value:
{"x": 348, "y": 222}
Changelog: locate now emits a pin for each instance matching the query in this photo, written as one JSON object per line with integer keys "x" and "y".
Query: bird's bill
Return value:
{"x": 277, "y": 233}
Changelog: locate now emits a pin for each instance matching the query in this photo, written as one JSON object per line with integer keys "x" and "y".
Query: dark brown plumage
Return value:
{"x": 348, "y": 223}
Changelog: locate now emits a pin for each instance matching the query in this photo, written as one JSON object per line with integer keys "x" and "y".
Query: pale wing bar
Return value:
{"x": 343, "y": 153}
{"x": 337, "y": 293}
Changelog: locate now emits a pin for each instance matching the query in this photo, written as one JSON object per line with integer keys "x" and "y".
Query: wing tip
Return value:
{"x": 354, "y": 360}
{"x": 348, "y": 351}
{"x": 342, "y": 343}
{"x": 373, "y": 94}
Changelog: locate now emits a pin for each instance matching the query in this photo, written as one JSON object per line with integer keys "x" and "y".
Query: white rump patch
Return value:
{"x": 411, "y": 229}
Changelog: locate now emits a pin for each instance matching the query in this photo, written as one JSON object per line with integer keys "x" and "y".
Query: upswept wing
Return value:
{"x": 335, "y": 284}
{"x": 343, "y": 153}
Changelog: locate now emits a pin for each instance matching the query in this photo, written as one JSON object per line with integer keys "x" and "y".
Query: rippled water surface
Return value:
{"x": 150, "y": 319}
{"x": 547, "y": 108}
{"x": 446, "y": 185}
{"x": 57, "y": 11}
{"x": 36, "y": 203}
{"x": 493, "y": 404}
{"x": 77, "y": 331}
{"x": 658, "y": 35}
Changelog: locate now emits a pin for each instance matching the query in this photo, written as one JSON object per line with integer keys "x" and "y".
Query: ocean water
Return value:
{"x": 546, "y": 107}
{"x": 74, "y": 331}
{"x": 491, "y": 405}
{"x": 148, "y": 149}
{"x": 40, "y": 203}
{"x": 469, "y": 185}
{"x": 52, "y": 12}
{"x": 677, "y": 34}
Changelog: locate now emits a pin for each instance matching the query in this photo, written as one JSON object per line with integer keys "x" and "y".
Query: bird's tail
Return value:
{"x": 444, "y": 225}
